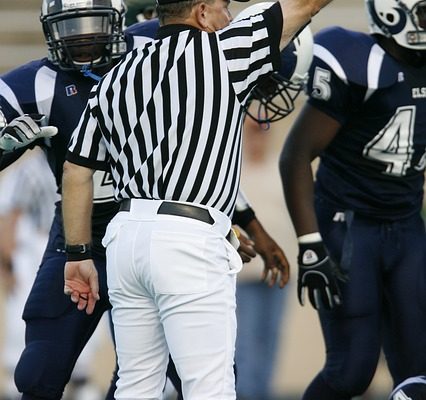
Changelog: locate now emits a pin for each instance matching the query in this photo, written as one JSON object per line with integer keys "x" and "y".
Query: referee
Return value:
{"x": 167, "y": 123}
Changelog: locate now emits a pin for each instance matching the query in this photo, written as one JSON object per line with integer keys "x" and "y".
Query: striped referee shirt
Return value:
{"x": 167, "y": 120}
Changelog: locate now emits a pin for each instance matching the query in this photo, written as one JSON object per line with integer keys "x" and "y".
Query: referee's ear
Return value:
{"x": 202, "y": 16}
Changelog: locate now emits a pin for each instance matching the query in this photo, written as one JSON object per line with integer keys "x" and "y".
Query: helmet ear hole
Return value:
{"x": 273, "y": 98}
{"x": 81, "y": 35}
{"x": 390, "y": 18}
{"x": 402, "y": 20}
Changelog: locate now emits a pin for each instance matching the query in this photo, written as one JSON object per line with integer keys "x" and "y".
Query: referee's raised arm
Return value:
{"x": 296, "y": 14}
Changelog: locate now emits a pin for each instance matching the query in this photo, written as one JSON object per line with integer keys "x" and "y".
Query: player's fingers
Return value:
{"x": 244, "y": 257}
{"x": 284, "y": 272}
{"x": 314, "y": 298}
{"x": 48, "y": 131}
{"x": 274, "y": 276}
{"x": 301, "y": 294}
{"x": 9, "y": 140}
{"x": 328, "y": 298}
{"x": 283, "y": 280}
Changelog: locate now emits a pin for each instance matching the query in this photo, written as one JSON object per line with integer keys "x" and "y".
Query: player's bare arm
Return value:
{"x": 318, "y": 273}
{"x": 303, "y": 144}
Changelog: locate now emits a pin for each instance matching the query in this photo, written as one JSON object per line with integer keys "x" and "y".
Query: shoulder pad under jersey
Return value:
{"x": 141, "y": 32}
{"x": 355, "y": 57}
{"x": 18, "y": 85}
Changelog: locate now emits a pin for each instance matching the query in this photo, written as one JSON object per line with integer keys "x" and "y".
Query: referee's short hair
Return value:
{"x": 176, "y": 9}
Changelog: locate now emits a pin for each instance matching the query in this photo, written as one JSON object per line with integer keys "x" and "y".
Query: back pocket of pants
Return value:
{"x": 178, "y": 263}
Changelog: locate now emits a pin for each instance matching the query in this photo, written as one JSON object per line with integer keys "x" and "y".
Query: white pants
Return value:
{"x": 171, "y": 283}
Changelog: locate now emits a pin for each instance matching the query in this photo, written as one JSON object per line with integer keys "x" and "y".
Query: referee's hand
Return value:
{"x": 81, "y": 283}
{"x": 24, "y": 130}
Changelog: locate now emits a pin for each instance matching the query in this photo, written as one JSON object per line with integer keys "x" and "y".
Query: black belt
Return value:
{"x": 178, "y": 209}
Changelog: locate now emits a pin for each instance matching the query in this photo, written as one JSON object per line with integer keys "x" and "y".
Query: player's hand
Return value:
{"x": 320, "y": 275}
{"x": 276, "y": 267}
{"x": 81, "y": 283}
{"x": 246, "y": 248}
{"x": 23, "y": 130}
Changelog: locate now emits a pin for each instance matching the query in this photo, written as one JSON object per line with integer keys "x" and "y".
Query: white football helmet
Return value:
{"x": 83, "y": 33}
{"x": 403, "y": 20}
{"x": 275, "y": 95}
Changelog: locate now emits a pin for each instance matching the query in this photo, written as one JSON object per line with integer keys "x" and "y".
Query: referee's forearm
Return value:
{"x": 77, "y": 199}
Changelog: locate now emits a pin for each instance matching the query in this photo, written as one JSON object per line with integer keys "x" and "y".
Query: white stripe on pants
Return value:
{"x": 171, "y": 283}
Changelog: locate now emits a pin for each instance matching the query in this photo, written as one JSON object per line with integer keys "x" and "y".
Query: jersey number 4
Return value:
{"x": 393, "y": 145}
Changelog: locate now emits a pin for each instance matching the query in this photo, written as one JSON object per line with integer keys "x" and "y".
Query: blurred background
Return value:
{"x": 299, "y": 350}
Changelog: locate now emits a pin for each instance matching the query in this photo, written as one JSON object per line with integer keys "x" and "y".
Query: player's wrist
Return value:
{"x": 311, "y": 249}
{"x": 78, "y": 252}
{"x": 313, "y": 237}
{"x": 243, "y": 217}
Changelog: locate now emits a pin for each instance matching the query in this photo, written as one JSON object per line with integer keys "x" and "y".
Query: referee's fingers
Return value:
{"x": 90, "y": 303}
{"x": 94, "y": 285}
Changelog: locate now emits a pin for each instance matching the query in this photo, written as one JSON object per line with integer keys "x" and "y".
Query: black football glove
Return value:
{"x": 23, "y": 130}
{"x": 320, "y": 275}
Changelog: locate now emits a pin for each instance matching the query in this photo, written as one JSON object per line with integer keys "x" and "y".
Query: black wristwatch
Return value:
{"x": 78, "y": 252}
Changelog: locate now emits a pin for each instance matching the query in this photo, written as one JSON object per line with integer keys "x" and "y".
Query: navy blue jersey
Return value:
{"x": 375, "y": 164}
{"x": 41, "y": 87}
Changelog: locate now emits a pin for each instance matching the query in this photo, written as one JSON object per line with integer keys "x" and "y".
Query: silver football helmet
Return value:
{"x": 83, "y": 33}
{"x": 403, "y": 20}
{"x": 273, "y": 98}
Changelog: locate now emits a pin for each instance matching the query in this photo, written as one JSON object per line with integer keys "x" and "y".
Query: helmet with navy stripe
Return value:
{"x": 83, "y": 33}
{"x": 403, "y": 20}
{"x": 274, "y": 97}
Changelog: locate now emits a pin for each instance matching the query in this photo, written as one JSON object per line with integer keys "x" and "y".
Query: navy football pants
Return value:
{"x": 56, "y": 332}
{"x": 384, "y": 303}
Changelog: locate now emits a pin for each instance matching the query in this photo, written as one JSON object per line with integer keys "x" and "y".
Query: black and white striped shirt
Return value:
{"x": 167, "y": 120}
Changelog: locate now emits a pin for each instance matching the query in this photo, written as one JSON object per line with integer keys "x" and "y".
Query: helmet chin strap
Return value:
{"x": 86, "y": 71}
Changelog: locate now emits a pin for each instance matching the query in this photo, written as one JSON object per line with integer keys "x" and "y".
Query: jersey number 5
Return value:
{"x": 393, "y": 145}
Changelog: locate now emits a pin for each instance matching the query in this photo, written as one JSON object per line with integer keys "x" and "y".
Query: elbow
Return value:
{"x": 316, "y": 6}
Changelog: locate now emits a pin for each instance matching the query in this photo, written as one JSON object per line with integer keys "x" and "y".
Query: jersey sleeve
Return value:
{"x": 87, "y": 145}
{"x": 251, "y": 49}
{"x": 338, "y": 77}
{"x": 330, "y": 91}
{"x": 9, "y": 104}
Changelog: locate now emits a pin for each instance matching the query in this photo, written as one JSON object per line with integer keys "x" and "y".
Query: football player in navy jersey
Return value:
{"x": 40, "y": 105}
{"x": 362, "y": 242}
